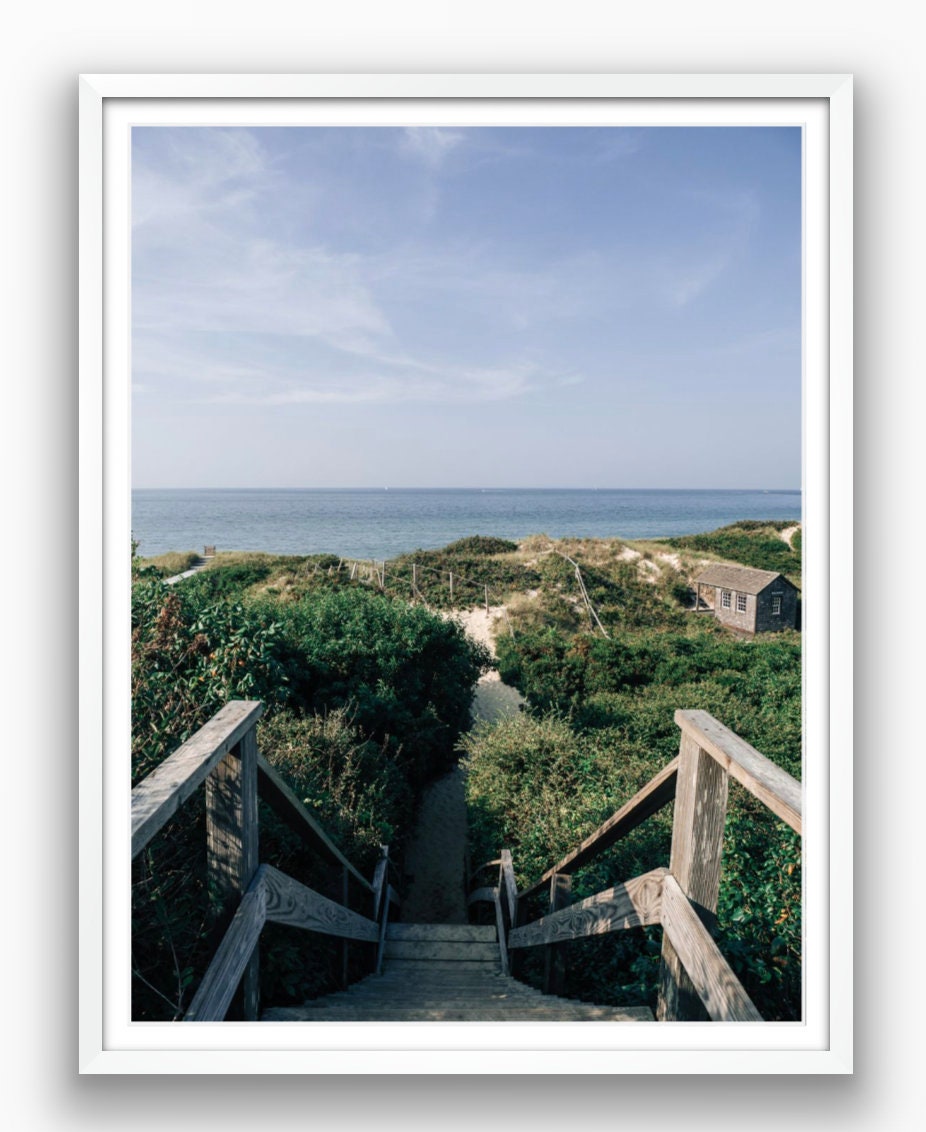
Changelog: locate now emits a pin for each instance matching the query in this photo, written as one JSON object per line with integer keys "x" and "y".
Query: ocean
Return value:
{"x": 383, "y": 522}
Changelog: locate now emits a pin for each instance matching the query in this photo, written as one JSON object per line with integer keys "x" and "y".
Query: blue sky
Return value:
{"x": 446, "y": 307}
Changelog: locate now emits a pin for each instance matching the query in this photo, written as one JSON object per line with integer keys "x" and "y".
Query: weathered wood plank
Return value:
{"x": 485, "y": 1012}
{"x": 502, "y": 933}
{"x": 633, "y": 904}
{"x": 231, "y": 821}
{"x": 658, "y": 792}
{"x": 289, "y": 902}
{"x": 379, "y": 883}
{"x": 163, "y": 792}
{"x": 761, "y": 777}
{"x": 445, "y": 932}
{"x": 232, "y": 847}
{"x": 509, "y": 886}
{"x": 277, "y": 794}
{"x": 441, "y": 949}
{"x": 718, "y": 988}
{"x": 554, "y": 956}
{"x": 217, "y": 989}
{"x": 345, "y": 944}
{"x": 697, "y": 848}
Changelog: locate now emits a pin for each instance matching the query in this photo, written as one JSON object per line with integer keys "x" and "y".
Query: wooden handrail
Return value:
{"x": 156, "y": 799}
{"x": 223, "y": 756}
{"x": 683, "y": 898}
{"x": 217, "y": 988}
{"x": 769, "y": 783}
{"x": 658, "y": 792}
{"x": 291, "y": 902}
{"x": 718, "y": 987}
{"x": 272, "y": 897}
{"x": 634, "y": 903}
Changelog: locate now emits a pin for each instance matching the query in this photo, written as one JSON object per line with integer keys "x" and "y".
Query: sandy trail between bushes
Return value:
{"x": 435, "y": 860}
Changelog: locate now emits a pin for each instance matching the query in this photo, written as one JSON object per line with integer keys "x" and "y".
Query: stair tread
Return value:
{"x": 484, "y": 1012}
{"x": 433, "y": 933}
{"x": 426, "y": 951}
{"x": 446, "y": 973}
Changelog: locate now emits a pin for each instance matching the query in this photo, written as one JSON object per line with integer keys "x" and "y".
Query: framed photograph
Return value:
{"x": 596, "y": 329}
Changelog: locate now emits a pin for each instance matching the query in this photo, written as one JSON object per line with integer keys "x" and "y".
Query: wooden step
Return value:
{"x": 446, "y": 973}
{"x": 447, "y": 950}
{"x": 447, "y": 933}
{"x": 480, "y": 1013}
{"x": 415, "y": 967}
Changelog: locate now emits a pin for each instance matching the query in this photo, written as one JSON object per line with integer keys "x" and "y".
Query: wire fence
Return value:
{"x": 371, "y": 572}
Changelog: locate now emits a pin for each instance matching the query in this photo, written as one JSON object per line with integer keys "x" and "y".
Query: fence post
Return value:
{"x": 507, "y": 908}
{"x": 231, "y": 848}
{"x": 451, "y": 587}
{"x": 487, "y": 599}
{"x": 697, "y": 847}
{"x": 345, "y": 900}
{"x": 554, "y": 959}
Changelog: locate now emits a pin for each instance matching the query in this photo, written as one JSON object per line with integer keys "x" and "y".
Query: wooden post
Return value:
{"x": 231, "y": 847}
{"x": 451, "y": 587}
{"x": 487, "y": 599}
{"x": 380, "y": 900}
{"x": 554, "y": 958}
{"x": 345, "y": 900}
{"x": 697, "y": 846}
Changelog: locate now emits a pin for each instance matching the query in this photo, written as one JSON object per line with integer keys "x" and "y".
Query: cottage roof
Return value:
{"x": 741, "y": 578}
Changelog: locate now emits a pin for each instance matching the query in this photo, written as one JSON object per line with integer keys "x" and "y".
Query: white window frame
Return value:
{"x": 741, "y": 603}
{"x": 776, "y": 604}
{"x": 726, "y": 599}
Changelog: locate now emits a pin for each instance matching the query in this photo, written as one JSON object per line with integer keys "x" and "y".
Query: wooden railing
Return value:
{"x": 694, "y": 976}
{"x": 223, "y": 757}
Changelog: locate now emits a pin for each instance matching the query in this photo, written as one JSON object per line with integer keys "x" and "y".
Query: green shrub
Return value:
{"x": 751, "y": 543}
{"x": 405, "y": 674}
{"x": 353, "y": 784}
{"x": 365, "y": 700}
{"x": 601, "y": 724}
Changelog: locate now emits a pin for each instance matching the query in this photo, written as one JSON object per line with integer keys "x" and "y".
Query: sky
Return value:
{"x": 454, "y": 307}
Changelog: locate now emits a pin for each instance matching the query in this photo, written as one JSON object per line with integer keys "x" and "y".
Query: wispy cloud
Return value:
{"x": 222, "y": 301}
{"x": 431, "y": 144}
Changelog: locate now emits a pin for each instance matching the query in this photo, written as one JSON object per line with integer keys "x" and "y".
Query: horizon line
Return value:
{"x": 494, "y": 487}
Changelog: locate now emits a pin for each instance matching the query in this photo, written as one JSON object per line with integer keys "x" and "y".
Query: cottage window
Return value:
{"x": 740, "y": 603}
{"x": 776, "y": 605}
{"x": 725, "y": 598}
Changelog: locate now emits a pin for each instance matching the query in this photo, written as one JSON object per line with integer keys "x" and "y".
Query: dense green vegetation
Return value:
{"x": 755, "y": 543}
{"x": 599, "y": 725}
{"x": 475, "y": 563}
{"x": 367, "y": 695}
{"x": 365, "y": 699}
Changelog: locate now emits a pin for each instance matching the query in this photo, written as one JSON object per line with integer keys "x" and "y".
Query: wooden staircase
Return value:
{"x": 446, "y": 973}
{"x": 461, "y": 972}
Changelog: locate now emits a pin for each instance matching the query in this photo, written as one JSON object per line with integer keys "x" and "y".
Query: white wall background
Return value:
{"x": 44, "y": 49}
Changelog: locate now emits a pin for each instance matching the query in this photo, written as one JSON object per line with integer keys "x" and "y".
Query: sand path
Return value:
{"x": 435, "y": 860}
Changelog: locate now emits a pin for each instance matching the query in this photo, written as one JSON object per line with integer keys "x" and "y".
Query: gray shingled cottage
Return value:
{"x": 753, "y": 601}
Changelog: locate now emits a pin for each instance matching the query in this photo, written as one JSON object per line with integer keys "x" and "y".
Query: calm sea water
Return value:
{"x": 380, "y": 523}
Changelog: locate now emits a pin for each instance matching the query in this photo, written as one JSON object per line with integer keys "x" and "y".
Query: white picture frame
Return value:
{"x": 109, "y": 105}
